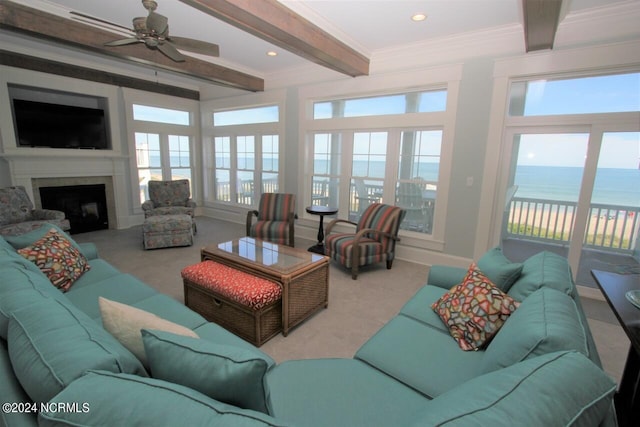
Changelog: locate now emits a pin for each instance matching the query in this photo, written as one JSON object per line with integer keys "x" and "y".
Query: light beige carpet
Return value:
{"x": 357, "y": 308}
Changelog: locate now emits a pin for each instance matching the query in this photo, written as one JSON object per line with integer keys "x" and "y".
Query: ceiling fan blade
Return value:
{"x": 171, "y": 52}
{"x": 157, "y": 23}
{"x": 196, "y": 46}
{"x": 122, "y": 42}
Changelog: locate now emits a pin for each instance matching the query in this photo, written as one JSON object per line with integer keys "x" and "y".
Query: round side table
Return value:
{"x": 322, "y": 211}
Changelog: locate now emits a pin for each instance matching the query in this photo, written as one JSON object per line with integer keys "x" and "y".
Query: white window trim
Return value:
{"x": 132, "y": 96}
{"x": 613, "y": 58}
{"x": 209, "y": 132}
{"x": 445, "y": 77}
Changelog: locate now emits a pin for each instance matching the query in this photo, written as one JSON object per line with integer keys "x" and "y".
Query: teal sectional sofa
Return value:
{"x": 59, "y": 366}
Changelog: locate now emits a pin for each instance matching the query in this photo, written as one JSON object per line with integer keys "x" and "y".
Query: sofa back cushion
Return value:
{"x": 234, "y": 375}
{"x": 51, "y": 344}
{"x": 4, "y": 244}
{"x": 497, "y": 267}
{"x": 19, "y": 288}
{"x": 27, "y": 239}
{"x": 559, "y": 389}
{"x": 544, "y": 269}
{"x": 119, "y": 400}
{"x": 546, "y": 322}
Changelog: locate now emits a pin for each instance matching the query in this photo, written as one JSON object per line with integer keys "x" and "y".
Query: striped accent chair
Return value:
{"x": 373, "y": 241}
{"x": 275, "y": 216}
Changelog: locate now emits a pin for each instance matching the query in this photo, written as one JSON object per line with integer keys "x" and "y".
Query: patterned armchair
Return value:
{"x": 275, "y": 216}
{"x": 17, "y": 215}
{"x": 170, "y": 198}
{"x": 374, "y": 239}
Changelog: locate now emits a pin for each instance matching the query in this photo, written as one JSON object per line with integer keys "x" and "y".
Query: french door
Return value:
{"x": 573, "y": 190}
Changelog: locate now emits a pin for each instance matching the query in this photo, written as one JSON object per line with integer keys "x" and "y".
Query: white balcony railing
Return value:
{"x": 609, "y": 227}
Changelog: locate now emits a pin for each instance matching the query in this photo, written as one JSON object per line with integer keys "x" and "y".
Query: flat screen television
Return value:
{"x": 41, "y": 124}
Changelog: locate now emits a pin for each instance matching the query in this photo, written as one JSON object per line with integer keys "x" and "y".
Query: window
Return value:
{"x": 246, "y": 151}
{"x": 596, "y": 94}
{"x": 162, "y": 152}
{"x": 246, "y": 116}
{"x": 367, "y": 158}
{"x": 420, "y": 102}
{"x": 418, "y": 172}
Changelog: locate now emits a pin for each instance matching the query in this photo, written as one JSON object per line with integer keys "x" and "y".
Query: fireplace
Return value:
{"x": 84, "y": 205}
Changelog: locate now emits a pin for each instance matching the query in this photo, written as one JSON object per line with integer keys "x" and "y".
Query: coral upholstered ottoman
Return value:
{"x": 165, "y": 231}
{"x": 247, "y": 305}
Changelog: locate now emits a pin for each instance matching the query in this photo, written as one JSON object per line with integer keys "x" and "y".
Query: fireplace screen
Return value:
{"x": 84, "y": 205}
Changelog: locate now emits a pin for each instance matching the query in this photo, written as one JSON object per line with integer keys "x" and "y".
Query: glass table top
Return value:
{"x": 269, "y": 255}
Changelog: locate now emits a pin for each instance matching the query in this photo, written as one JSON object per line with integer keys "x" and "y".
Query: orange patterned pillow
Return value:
{"x": 57, "y": 258}
{"x": 474, "y": 310}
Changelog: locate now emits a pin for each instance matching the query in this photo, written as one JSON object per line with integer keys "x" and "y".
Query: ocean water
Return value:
{"x": 612, "y": 186}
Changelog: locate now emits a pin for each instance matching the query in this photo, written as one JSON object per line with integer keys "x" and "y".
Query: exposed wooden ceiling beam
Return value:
{"x": 541, "y": 19}
{"x": 277, "y": 24}
{"x": 27, "y": 62}
{"x": 23, "y": 19}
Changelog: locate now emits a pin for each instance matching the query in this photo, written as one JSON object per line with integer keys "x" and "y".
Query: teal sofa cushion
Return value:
{"x": 23, "y": 240}
{"x": 10, "y": 258}
{"x": 546, "y": 322}
{"x": 419, "y": 307}
{"x": 100, "y": 270}
{"x": 499, "y": 269}
{"x": 233, "y": 375}
{"x": 544, "y": 269}
{"x": 445, "y": 276}
{"x": 13, "y": 393}
{"x": 4, "y": 244}
{"x": 123, "y": 288}
{"x": 424, "y": 358}
{"x": 559, "y": 389}
{"x": 339, "y": 392}
{"x": 20, "y": 288}
{"x": 51, "y": 344}
{"x": 129, "y": 400}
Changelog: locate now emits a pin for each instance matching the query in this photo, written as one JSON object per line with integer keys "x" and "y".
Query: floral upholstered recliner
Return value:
{"x": 170, "y": 198}
{"x": 17, "y": 215}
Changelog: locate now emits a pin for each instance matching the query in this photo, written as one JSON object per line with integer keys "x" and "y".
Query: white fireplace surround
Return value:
{"x": 79, "y": 168}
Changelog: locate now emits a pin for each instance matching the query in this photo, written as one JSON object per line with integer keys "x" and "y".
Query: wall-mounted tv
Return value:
{"x": 42, "y": 124}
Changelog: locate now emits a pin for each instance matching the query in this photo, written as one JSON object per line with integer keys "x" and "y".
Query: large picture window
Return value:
{"x": 368, "y": 157}
{"x": 163, "y": 145}
{"x": 246, "y": 154}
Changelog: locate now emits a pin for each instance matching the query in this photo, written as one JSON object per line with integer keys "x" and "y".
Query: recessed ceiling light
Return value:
{"x": 272, "y": 53}
{"x": 419, "y": 17}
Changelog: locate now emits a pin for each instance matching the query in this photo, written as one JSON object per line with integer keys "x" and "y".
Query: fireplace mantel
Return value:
{"x": 40, "y": 167}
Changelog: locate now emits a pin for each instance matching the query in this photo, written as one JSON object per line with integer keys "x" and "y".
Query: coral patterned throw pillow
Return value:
{"x": 474, "y": 310}
{"x": 57, "y": 258}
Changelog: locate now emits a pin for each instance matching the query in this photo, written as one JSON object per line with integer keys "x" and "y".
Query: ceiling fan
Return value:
{"x": 153, "y": 31}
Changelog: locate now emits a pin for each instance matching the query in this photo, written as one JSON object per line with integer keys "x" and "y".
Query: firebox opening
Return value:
{"x": 84, "y": 205}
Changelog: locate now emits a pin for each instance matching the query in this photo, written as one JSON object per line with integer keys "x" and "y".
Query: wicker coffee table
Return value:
{"x": 304, "y": 276}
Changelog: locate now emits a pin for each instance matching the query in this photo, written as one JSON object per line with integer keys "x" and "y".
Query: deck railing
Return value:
{"x": 609, "y": 227}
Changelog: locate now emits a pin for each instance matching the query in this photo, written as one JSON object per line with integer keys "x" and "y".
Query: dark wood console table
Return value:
{"x": 614, "y": 287}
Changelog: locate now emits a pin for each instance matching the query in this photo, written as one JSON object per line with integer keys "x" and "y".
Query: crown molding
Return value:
{"x": 608, "y": 23}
